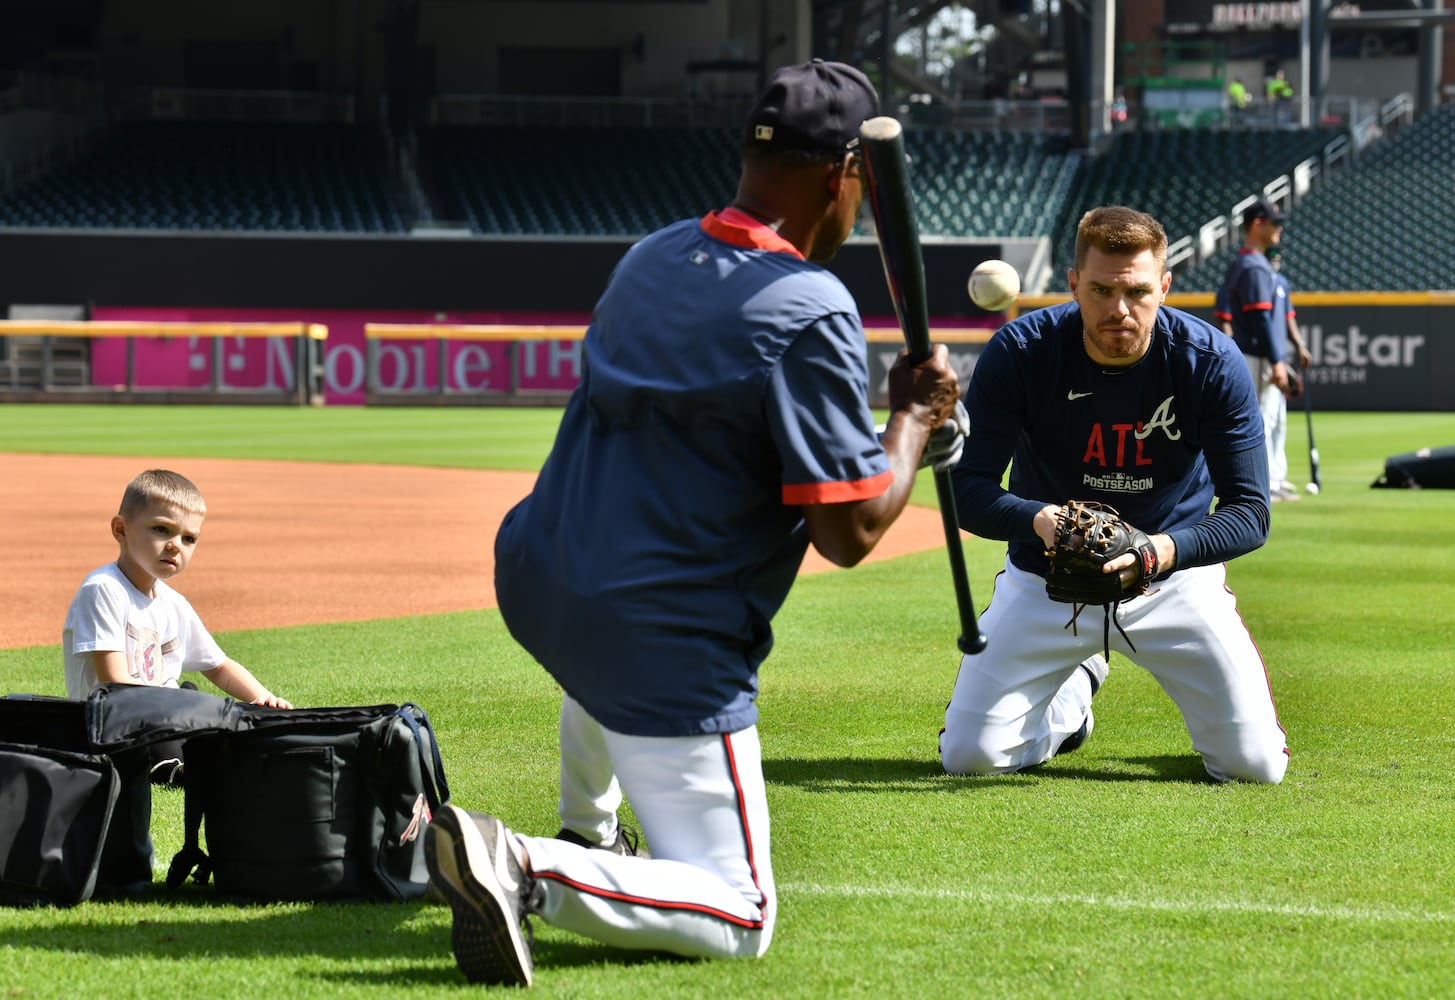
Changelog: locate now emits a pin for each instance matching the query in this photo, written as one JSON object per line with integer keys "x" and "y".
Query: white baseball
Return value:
{"x": 994, "y": 284}
{"x": 1312, "y": 487}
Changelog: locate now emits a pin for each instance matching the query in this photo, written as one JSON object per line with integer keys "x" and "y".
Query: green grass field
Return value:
{"x": 1117, "y": 871}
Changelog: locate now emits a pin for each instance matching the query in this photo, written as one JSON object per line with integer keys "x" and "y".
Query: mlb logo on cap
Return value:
{"x": 817, "y": 106}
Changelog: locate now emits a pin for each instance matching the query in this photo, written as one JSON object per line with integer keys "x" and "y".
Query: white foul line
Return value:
{"x": 1119, "y": 903}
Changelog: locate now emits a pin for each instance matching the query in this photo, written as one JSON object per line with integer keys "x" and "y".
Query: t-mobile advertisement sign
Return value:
{"x": 404, "y": 364}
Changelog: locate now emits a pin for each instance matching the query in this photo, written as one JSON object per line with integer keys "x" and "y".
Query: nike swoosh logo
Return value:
{"x": 502, "y": 867}
{"x": 1072, "y": 394}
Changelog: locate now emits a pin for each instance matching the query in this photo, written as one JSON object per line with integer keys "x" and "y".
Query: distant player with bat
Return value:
{"x": 1123, "y": 422}
{"x": 720, "y": 427}
{"x": 1295, "y": 390}
{"x": 1253, "y": 307}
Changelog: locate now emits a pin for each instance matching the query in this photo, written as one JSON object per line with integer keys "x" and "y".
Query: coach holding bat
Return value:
{"x": 720, "y": 427}
{"x": 1113, "y": 399}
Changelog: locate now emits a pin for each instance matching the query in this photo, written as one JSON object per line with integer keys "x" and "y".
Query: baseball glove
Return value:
{"x": 1088, "y": 536}
{"x": 1294, "y": 389}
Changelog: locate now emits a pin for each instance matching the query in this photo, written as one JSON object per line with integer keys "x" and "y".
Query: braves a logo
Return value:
{"x": 1162, "y": 420}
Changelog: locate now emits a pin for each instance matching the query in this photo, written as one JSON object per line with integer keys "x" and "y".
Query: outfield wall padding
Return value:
{"x": 1372, "y": 351}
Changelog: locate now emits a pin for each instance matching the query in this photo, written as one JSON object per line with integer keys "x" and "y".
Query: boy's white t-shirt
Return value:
{"x": 161, "y": 636}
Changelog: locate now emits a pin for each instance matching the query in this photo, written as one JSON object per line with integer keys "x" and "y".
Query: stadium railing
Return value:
{"x": 1037, "y": 116}
{"x": 1220, "y": 233}
{"x": 33, "y": 370}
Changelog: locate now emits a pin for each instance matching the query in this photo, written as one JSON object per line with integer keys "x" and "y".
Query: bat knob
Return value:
{"x": 881, "y": 129}
{"x": 971, "y": 646}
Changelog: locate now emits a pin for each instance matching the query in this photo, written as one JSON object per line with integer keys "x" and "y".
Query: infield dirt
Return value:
{"x": 287, "y": 543}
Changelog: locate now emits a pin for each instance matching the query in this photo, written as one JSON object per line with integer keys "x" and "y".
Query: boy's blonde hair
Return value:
{"x": 161, "y": 486}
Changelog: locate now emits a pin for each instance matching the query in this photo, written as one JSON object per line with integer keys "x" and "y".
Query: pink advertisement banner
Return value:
{"x": 269, "y": 363}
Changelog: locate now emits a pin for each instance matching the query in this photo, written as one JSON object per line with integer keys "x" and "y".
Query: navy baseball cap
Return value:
{"x": 816, "y": 106}
{"x": 1262, "y": 209}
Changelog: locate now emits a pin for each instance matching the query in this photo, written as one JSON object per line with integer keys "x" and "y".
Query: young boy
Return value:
{"x": 126, "y": 625}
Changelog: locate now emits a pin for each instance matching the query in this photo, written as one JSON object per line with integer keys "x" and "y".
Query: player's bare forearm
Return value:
{"x": 922, "y": 397}
{"x": 1300, "y": 349}
{"x": 844, "y": 533}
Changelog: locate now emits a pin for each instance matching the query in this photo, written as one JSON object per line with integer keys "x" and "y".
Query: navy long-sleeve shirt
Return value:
{"x": 1158, "y": 440}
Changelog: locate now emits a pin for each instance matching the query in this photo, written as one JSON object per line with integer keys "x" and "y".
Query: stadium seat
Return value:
{"x": 1381, "y": 224}
{"x": 216, "y": 175}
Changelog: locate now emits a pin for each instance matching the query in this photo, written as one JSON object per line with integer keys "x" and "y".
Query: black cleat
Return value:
{"x": 1074, "y": 741}
{"x": 1096, "y": 670}
{"x": 626, "y": 842}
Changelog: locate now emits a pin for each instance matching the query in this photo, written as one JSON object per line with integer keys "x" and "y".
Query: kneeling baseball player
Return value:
{"x": 1137, "y": 470}
{"x": 721, "y": 426}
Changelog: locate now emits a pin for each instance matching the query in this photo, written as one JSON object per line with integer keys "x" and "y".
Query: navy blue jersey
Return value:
{"x": 725, "y": 383}
{"x": 1157, "y": 440}
{"x": 1248, "y": 299}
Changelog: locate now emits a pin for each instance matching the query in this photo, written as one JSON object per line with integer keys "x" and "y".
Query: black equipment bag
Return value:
{"x": 1423, "y": 469}
{"x": 55, "y": 811}
{"x": 75, "y": 789}
{"x": 313, "y": 804}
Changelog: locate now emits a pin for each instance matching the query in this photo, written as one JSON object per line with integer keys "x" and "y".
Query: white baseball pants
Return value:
{"x": 1274, "y": 407}
{"x": 707, "y": 889}
{"x": 1015, "y": 703}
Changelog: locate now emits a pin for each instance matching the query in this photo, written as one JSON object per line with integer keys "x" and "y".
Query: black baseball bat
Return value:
{"x": 892, "y": 203}
{"x": 1313, "y": 449}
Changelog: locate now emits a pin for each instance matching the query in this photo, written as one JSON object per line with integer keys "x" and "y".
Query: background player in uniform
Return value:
{"x": 1248, "y": 306}
{"x": 721, "y": 426}
{"x": 127, "y": 626}
{"x": 1279, "y": 485}
{"x": 1113, "y": 397}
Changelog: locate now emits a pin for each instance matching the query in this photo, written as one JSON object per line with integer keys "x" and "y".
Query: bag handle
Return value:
{"x": 191, "y": 859}
{"x": 417, "y": 725}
